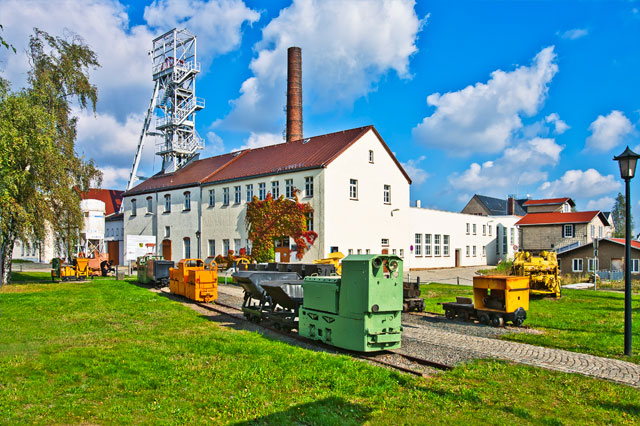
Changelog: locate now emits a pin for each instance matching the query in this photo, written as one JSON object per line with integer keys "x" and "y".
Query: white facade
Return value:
{"x": 114, "y": 233}
{"x": 361, "y": 205}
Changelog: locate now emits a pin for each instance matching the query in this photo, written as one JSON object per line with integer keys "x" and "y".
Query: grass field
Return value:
{"x": 582, "y": 320}
{"x": 109, "y": 352}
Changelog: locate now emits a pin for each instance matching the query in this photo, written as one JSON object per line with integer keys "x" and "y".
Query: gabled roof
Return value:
{"x": 191, "y": 174}
{"x": 550, "y": 201}
{"x": 557, "y": 218}
{"x": 302, "y": 154}
{"x": 111, "y": 198}
{"x": 498, "y": 206}
{"x": 620, "y": 241}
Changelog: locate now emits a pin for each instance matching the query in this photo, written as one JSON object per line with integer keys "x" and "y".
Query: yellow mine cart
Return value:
{"x": 333, "y": 259}
{"x": 202, "y": 285}
{"x": 501, "y": 298}
{"x": 178, "y": 276}
{"x": 542, "y": 271}
{"x": 81, "y": 266}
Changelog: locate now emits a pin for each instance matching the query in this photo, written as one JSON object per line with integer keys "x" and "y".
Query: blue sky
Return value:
{"x": 491, "y": 97}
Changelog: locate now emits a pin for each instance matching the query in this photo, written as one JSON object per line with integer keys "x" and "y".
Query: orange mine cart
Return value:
{"x": 499, "y": 298}
{"x": 202, "y": 285}
{"x": 178, "y": 276}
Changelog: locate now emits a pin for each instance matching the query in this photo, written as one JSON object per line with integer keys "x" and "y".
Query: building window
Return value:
{"x": 401, "y": 252}
{"x": 593, "y": 231}
{"x": 567, "y": 231}
{"x": 133, "y": 207}
{"x": 599, "y": 231}
{"x": 350, "y": 251}
{"x": 591, "y": 263}
{"x": 468, "y": 251}
{"x": 225, "y": 196}
{"x": 393, "y": 251}
{"x": 468, "y": 228}
{"x": 249, "y": 193}
{"x": 288, "y": 188}
{"x": 427, "y": 244}
{"x": 474, "y": 229}
{"x": 212, "y": 248}
{"x": 275, "y": 189}
{"x": 474, "y": 251}
{"x": 225, "y": 247}
{"x": 498, "y": 240}
{"x": 513, "y": 238}
{"x": 445, "y": 245}
{"x": 490, "y": 230}
{"x": 436, "y": 245}
{"x": 262, "y": 191}
{"x": 577, "y": 265}
{"x": 353, "y": 189}
{"x": 187, "y": 200}
{"x": 565, "y": 208}
{"x": 359, "y": 251}
{"x": 308, "y": 186}
{"x": 484, "y": 251}
{"x": 418, "y": 245}
{"x": 187, "y": 248}
{"x": 385, "y": 242}
{"x": 504, "y": 242}
{"x": 149, "y": 205}
{"x": 484, "y": 229}
{"x": 371, "y": 156}
{"x": 310, "y": 221}
{"x": 212, "y": 198}
{"x": 237, "y": 245}
{"x": 387, "y": 194}
{"x": 237, "y": 194}
{"x": 167, "y": 231}
{"x": 167, "y": 203}
{"x": 634, "y": 266}
{"x": 368, "y": 251}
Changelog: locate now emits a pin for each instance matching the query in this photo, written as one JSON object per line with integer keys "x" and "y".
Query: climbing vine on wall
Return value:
{"x": 271, "y": 219}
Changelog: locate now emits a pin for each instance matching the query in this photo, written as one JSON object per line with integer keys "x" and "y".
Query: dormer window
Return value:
{"x": 371, "y": 156}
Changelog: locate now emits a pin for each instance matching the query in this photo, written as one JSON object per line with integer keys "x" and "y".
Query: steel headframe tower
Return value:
{"x": 174, "y": 68}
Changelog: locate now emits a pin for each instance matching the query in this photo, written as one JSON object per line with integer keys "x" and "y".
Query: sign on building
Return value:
{"x": 139, "y": 245}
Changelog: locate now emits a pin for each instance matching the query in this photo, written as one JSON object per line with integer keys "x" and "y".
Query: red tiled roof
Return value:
{"x": 301, "y": 154}
{"x": 110, "y": 197}
{"x": 558, "y": 218}
{"x": 191, "y": 174}
{"x": 634, "y": 243}
{"x": 548, "y": 201}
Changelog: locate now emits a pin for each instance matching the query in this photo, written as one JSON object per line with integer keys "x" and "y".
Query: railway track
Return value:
{"x": 391, "y": 359}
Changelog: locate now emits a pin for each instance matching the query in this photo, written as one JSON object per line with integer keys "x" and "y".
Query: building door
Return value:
{"x": 283, "y": 254}
{"x": 385, "y": 251}
{"x": 616, "y": 264}
{"x": 457, "y": 257}
{"x": 113, "y": 249}
{"x": 166, "y": 249}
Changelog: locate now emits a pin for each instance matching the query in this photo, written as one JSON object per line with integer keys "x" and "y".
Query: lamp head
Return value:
{"x": 627, "y": 162}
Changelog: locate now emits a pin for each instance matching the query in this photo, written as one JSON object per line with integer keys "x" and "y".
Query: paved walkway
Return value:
{"x": 552, "y": 359}
{"x": 461, "y": 276}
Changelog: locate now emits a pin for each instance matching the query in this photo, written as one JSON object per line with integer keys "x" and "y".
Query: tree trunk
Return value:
{"x": 6, "y": 254}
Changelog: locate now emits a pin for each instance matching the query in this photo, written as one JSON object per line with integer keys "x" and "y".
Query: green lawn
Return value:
{"x": 110, "y": 352}
{"x": 582, "y": 320}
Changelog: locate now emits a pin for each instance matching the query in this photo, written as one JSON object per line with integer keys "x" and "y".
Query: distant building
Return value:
{"x": 488, "y": 206}
{"x": 579, "y": 260}
{"x": 550, "y": 205}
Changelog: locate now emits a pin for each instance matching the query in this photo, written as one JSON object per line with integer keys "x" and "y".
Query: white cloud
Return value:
{"x": 347, "y": 47}
{"x": 215, "y": 145}
{"x": 257, "y": 140}
{"x": 608, "y": 131}
{"x": 604, "y": 204}
{"x": 522, "y": 164}
{"x": 574, "y": 33}
{"x": 484, "y": 117}
{"x": 114, "y": 178}
{"x": 417, "y": 174}
{"x": 580, "y": 184}
{"x": 559, "y": 126}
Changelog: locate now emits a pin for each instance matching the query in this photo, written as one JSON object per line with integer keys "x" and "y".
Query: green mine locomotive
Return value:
{"x": 360, "y": 310}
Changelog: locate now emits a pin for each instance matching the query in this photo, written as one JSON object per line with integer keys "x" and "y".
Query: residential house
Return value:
{"x": 488, "y": 206}
{"x": 580, "y": 260}
{"x": 549, "y": 205}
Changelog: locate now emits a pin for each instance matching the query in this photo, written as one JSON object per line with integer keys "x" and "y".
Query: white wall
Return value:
{"x": 114, "y": 231}
{"x": 362, "y": 224}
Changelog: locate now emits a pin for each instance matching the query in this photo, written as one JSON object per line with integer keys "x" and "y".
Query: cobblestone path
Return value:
{"x": 552, "y": 359}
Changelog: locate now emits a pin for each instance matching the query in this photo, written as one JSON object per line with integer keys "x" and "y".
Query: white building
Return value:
{"x": 356, "y": 186}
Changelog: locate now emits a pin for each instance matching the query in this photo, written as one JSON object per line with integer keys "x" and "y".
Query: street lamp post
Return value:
{"x": 627, "y": 162}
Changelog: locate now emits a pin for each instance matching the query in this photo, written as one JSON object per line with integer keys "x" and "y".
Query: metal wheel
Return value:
{"x": 497, "y": 321}
{"x": 464, "y": 316}
{"x": 484, "y": 319}
{"x": 449, "y": 314}
{"x": 517, "y": 321}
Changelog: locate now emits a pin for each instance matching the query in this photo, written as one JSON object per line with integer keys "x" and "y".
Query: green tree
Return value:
{"x": 40, "y": 172}
{"x": 619, "y": 216}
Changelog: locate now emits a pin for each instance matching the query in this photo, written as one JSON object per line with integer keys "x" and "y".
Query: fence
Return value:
{"x": 611, "y": 275}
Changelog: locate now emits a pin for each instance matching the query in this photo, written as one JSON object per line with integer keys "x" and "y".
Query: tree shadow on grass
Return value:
{"x": 328, "y": 411}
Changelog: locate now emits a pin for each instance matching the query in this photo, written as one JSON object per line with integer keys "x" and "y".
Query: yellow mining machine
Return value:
{"x": 542, "y": 271}
{"x": 333, "y": 259}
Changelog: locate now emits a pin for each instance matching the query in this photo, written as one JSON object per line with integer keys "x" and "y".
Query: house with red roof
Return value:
{"x": 560, "y": 231}
{"x": 581, "y": 260}
{"x": 549, "y": 205}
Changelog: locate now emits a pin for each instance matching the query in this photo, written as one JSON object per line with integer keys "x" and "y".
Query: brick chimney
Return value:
{"x": 294, "y": 94}
{"x": 511, "y": 205}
